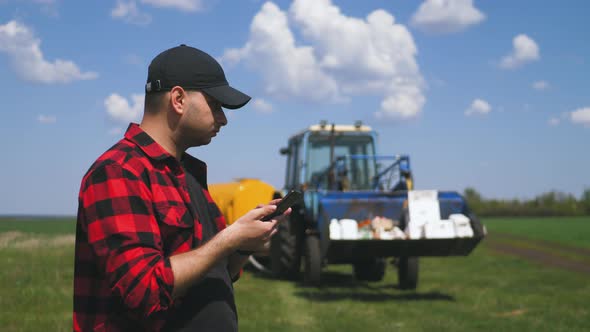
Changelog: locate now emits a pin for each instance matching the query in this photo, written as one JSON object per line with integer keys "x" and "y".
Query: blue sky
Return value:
{"x": 485, "y": 94}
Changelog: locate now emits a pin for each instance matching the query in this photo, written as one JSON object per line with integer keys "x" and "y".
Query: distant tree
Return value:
{"x": 474, "y": 199}
{"x": 552, "y": 203}
{"x": 472, "y": 195}
{"x": 585, "y": 201}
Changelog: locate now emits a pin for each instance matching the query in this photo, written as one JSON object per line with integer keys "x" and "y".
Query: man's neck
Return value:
{"x": 163, "y": 137}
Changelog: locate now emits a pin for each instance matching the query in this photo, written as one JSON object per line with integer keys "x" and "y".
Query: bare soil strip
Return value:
{"x": 543, "y": 253}
{"x": 541, "y": 243}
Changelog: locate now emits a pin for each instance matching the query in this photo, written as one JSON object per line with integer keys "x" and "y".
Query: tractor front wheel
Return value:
{"x": 479, "y": 231}
{"x": 313, "y": 261}
{"x": 285, "y": 252}
{"x": 372, "y": 270}
{"x": 407, "y": 272}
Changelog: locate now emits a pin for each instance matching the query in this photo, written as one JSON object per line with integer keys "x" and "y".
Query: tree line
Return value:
{"x": 553, "y": 203}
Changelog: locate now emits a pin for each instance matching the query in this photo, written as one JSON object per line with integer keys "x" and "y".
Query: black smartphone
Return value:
{"x": 292, "y": 198}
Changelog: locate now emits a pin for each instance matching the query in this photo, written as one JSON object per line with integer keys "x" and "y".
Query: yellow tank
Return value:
{"x": 236, "y": 198}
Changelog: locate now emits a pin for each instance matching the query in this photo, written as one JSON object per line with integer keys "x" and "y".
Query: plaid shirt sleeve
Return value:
{"x": 125, "y": 239}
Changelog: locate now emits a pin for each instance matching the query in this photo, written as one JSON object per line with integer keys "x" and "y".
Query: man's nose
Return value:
{"x": 220, "y": 117}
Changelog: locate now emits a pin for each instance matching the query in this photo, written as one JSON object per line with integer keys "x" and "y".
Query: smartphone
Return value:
{"x": 292, "y": 198}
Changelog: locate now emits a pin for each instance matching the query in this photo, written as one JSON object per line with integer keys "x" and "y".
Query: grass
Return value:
{"x": 481, "y": 292}
{"x": 572, "y": 231}
{"x": 38, "y": 225}
{"x": 36, "y": 281}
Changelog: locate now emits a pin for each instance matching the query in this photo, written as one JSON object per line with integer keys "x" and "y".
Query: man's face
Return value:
{"x": 203, "y": 119}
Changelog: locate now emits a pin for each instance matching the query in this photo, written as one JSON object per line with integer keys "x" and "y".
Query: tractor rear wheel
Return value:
{"x": 372, "y": 270}
{"x": 285, "y": 251}
{"x": 313, "y": 261}
{"x": 407, "y": 272}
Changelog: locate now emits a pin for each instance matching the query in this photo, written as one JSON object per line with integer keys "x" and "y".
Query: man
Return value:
{"x": 152, "y": 249}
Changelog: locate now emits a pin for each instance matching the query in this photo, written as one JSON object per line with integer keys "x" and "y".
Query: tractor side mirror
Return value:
{"x": 285, "y": 151}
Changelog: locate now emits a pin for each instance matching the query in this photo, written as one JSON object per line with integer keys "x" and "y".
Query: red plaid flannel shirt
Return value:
{"x": 134, "y": 213}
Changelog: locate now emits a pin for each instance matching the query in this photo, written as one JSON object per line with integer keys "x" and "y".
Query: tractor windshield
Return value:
{"x": 347, "y": 173}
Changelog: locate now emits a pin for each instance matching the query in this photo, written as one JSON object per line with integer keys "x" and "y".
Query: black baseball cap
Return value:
{"x": 192, "y": 69}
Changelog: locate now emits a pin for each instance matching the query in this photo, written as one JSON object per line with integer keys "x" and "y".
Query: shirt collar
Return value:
{"x": 147, "y": 144}
{"x": 155, "y": 151}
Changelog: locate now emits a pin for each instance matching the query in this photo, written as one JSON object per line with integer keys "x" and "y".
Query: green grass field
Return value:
{"x": 485, "y": 291}
{"x": 36, "y": 278}
{"x": 573, "y": 231}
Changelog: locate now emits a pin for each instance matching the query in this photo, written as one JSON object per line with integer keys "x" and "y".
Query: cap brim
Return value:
{"x": 228, "y": 96}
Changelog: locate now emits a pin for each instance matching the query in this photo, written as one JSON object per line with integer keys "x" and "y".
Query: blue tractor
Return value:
{"x": 361, "y": 208}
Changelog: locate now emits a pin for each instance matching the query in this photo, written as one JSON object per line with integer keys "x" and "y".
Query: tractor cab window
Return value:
{"x": 353, "y": 168}
{"x": 293, "y": 164}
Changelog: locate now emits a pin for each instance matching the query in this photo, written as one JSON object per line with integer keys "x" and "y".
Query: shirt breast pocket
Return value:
{"x": 176, "y": 226}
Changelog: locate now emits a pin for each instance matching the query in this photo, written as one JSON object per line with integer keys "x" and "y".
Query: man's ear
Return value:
{"x": 178, "y": 98}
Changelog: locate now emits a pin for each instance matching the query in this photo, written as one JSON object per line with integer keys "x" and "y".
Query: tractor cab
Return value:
{"x": 342, "y": 158}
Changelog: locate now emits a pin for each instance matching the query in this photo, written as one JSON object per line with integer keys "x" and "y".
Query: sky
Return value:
{"x": 491, "y": 95}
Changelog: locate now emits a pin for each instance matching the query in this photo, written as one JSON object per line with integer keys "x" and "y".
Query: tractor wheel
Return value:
{"x": 479, "y": 230}
{"x": 407, "y": 272}
{"x": 285, "y": 251}
{"x": 373, "y": 270}
{"x": 313, "y": 261}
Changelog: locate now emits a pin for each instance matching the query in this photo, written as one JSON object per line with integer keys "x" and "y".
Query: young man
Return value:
{"x": 152, "y": 249}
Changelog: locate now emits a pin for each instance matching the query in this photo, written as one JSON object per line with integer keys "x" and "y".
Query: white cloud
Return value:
{"x": 581, "y": 116}
{"x": 288, "y": 70}
{"x": 121, "y": 110}
{"x": 128, "y": 12}
{"x": 184, "y": 5}
{"x": 23, "y": 48}
{"x": 262, "y": 106}
{"x": 525, "y": 50}
{"x": 446, "y": 16}
{"x": 540, "y": 85}
{"x": 345, "y": 56}
{"x": 478, "y": 106}
{"x": 554, "y": 122}
{"x": 47, "y": 119}
{"x": 405, "y": 101}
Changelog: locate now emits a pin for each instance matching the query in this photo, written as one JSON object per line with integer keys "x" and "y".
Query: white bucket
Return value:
{"x": 349, "y": 229}
{"x": 462, "y": 225}
{"x": 335, "y": 229}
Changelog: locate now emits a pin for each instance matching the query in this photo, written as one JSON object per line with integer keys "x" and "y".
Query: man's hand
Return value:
{"x": 247, "y": 233}
{"x": 251, "y": 233}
